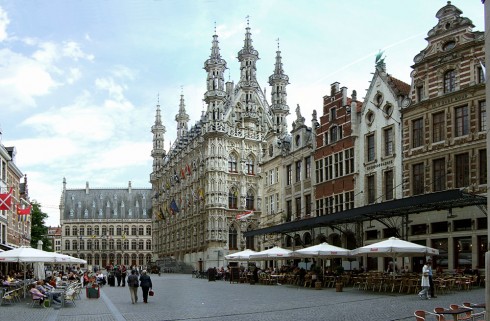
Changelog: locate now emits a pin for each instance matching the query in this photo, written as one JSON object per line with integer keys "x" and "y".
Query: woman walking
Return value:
{"x": 424, "y": 284}
{"x": 145, "y": 283}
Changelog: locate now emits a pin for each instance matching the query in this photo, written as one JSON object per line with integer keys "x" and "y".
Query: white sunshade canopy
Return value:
{"x": 240, "y": 256}
{"x": 27, "y": 254}
{"x": 393, "y": 247}
{"x": 323, "y": 250}
{"x": 275, "y": 253}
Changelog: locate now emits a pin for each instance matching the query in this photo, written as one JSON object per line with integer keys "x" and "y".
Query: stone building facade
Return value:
{"x": 444, "y": 138}
{"x": 107, "y": 225}
{"x": 213, "y": 172}
{"x": 14, "y": 232}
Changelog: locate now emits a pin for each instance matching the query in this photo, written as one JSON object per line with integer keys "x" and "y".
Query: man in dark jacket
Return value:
{"x": 123, "y": 274}
{"x": 145, "y": 283}
{"x": 133, "y": 286}
{"x": 118, "y": 275}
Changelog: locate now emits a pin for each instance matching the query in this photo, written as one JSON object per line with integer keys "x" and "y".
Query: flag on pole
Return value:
{"x": 244, "y": 215}
{"x": 23, "y": 213}
{"x": 188, "y": 168}
{"x": 182, "y": 173}
{"x": 6, "y": 201}
{"x": 174, "y": 207}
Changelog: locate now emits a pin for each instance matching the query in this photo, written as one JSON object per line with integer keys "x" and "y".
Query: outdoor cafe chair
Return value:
{"x": 465, "y": 316}
{"x": 421, "y": 315}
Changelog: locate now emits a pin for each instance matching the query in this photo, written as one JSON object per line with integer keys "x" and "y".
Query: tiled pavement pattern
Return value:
{"x": 181, "y": 297}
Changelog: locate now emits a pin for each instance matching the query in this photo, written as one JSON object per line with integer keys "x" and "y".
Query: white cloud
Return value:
{"x": 72, "y": 50}
{"x": 74, "y": 74}
{"x": 114, "y": 90}
{"x": 21, "y": 79}
{"x": 4, "y": 21}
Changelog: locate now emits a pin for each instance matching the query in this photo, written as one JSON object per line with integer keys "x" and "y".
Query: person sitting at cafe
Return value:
{"x": 100, "y": 278}
{"x": 45, "y": 289}
{"x": 37, "y": 295}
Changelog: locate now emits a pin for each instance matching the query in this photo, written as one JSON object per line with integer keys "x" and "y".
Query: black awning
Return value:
{"x": 415, "y": 204}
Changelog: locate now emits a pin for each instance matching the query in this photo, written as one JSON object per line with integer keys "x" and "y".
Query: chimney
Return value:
{"x": 87, "y": 189}
{"x": 344, "y": 96}
{"x": 129, "y": 187}
{"x": 334, "y": 88}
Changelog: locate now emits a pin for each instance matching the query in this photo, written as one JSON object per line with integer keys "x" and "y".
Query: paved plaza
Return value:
{"x": 181, "y": 297}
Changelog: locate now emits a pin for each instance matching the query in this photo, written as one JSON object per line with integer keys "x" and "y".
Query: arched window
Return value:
{"x": 141, "y": 230}
{"x": 289, "y": 241}
{"x": 133, "y": 230}
{"x": 89, "y": 245}
{"x": 111, "y": 244}
{"x": 67, "y": 245}
{"x": 75, "y": 245}
{"x": 82, "y": 230}
{"x": 126, "y": 245}
{"x": 119, "y": 245}
{"x": 89, "y": 259}
{"x": 96, "y": 245}
{"x": 148, "y": 230}
{"x": 141, "y": 245}
{"x": 233, "y": 198}
{"x": 250, "y": 165}
{"x": 133, "y": 245}
{"x": 96, "y": 259}
{"x": 67, "y": 231}
{"x": 307, "y": 238}
{"x": 96, "y": 230}
{"x": 450, "y": 81}
{"x": 232, "y": 238}
{"x": 232, "y": 164}
{"x": 119, "y": 230}
{"x": 148, "y": 245}
{"x": 126, "y": 259}
{"x": 89, "y": 230}
{"x": 104, "y": 244}
{"x": 126, "y": 230}
{"x": 75, "y": 231}
{"x": 250, "y": 201}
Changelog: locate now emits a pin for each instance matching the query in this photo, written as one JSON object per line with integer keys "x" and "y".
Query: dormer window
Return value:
{"x": 298, "y": 140}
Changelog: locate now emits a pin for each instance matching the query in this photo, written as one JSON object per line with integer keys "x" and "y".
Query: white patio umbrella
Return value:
{"x": 275, "y": 253}
{"x": 240, "y": 256}
{"x": 394, "y": 247}
{"x": 323, "y": 250}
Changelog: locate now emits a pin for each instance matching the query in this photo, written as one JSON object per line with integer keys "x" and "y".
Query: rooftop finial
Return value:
{"x": 215, "y": 27}
{"x": 277, "y": 44}
{"x": 158, "y": 98}
{"x": 181, "y": 89}
{"x": 248, "y": 20}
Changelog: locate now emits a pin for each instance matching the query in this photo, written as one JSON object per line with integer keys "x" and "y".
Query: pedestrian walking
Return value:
{"x": 123, "y": 274}
{"x": 133, "y": 286}
{"x": 145, "y": 283}
{"x": 424, "y": 293}
{"x": 431, "y": 280}
{"x": 118, "y": 275}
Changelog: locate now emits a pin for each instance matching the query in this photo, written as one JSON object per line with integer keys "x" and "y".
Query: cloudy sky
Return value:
{"x": 79, "y": 80}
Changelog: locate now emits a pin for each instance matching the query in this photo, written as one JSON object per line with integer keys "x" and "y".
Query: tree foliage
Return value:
{"x": 39, "y": 230}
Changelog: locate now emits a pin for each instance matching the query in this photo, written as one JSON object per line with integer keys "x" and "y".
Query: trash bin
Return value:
{"x": 93, "y": 293}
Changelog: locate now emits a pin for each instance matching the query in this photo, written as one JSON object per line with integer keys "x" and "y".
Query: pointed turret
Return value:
{"x": 248, "y": 57}
{"x": 182, "y": 119}
{"x": 278, "y": 81}
{"x": 158, "y": 131}
{"x": 215, "y": 94}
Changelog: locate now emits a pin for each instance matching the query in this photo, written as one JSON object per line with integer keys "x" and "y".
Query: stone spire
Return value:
{"x": 248, "y": 57}
{"x": 278, "y": 81}
{"x": 215, "y": 95}
{"x": 158, "y": 131}
{"x": 182, "y": 119}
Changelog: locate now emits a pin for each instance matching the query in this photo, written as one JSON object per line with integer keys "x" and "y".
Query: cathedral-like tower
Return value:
{"x": 215, "y": 95}
{"x": 182, "y": 119}
{"x": 158, "y": 151}
{"x": 278, "y": 81}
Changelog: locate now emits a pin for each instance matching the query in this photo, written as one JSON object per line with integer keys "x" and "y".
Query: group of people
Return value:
{"x": 144, "y": 281}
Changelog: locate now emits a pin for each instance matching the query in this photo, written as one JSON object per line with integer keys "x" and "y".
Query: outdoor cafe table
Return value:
{"x": 478, "y": 305}
{"x": 58, "y": 291}
{"x": 454, "y": 312}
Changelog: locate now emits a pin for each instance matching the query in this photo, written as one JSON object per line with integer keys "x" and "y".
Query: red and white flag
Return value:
{"x": 6, "y": 201}
{"x": 23, "y": 211}
{"x": 244, "y": 215}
